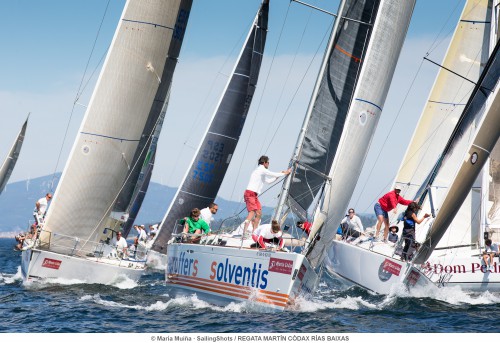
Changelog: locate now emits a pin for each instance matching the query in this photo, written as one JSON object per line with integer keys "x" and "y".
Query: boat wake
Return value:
{"x": 7, "y": 279}
{"x": 122, "y": 282}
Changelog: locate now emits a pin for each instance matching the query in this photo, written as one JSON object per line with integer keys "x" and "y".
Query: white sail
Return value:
{"x": 102, "y": 154}
{"x": 466, "y": 55}
{"x": 10, "y": 162}
{"x": 365, "y": 109}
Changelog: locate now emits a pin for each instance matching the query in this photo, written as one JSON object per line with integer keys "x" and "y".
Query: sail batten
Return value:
{"x": 204, "y": 178}
{"x": 120, "y": 106}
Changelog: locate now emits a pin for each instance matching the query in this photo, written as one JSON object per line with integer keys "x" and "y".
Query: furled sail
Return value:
{"x": 479, "y": 112}
{"x": 10, "y": 162}
{"x": 128, "y": 90}
{"x": 204, "y": 178}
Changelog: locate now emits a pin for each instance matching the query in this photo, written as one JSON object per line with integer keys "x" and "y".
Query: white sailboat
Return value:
{"x": 377, "y": 266}
{"x": 11, "y": 159}
{"x": 345, "y": 107}
{"x": 109, "y": 149}
{"x": 202, "y": 181}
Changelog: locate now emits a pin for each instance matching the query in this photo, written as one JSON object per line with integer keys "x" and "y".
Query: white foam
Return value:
{"x": 8, "y": 279}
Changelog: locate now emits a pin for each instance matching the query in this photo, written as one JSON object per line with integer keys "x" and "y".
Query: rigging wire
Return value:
{"x": 260, "y": 101}
{"x": 78, "y": 94}
{"x": 431, "y": 48}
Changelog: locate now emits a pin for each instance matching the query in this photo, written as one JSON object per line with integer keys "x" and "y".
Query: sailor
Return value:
{"x": 393, "y": 234}
{"x": 352, "y": 224}
{"x": 141, "y": 234}
{"x": 207, "y": 214}
{"x": 491, "y": 250}
{"x": 305, "y": 226}
{"x": 410, "y": 221}
{"x": 41, "y": 208}
{"x": 120, "y": 244}
{"x": 195, "y": 225}
{"x": 259, "y": 176}
{"x": 268, "y": 234}
{"x": 385, "y": 204}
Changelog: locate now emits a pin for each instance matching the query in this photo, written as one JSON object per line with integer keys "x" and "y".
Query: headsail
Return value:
{"x": 203, "y": 180}
{"x": 129, "y": 87}
{"x": 481, "y": 110}
{"x": 353, "y": 87}
{"x": 10, "y": 162}
{"x": 466, "y": 56}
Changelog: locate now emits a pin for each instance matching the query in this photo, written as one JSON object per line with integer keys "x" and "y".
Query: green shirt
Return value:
{"x": 195, "y": 225}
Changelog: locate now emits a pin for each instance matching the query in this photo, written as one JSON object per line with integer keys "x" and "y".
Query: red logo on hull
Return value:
{"x": 302, "y": 272}
{"x": 392, "y": 267}
{"x": 279, "y": 265}
{"x": 50, "y": 263}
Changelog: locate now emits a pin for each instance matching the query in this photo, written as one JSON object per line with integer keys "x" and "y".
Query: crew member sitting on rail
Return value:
{"x": 195, "y": 225}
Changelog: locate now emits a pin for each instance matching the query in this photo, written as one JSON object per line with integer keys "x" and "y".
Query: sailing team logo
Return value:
{"x": 50, "y": 263}
{"x": 279, "y": 265}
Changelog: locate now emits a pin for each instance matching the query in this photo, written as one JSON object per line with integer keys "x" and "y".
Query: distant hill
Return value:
{"x": 17, "y": 202}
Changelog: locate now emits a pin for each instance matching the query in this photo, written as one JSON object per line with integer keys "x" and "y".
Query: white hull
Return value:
{"x": 221, "y": 274}
{"x": 468, "y": 272}
{"x": 39, "y": 265}
{"x": 373, "y": 269}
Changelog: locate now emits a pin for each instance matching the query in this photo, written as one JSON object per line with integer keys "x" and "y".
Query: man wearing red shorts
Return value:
{"x": 259, "y": 176}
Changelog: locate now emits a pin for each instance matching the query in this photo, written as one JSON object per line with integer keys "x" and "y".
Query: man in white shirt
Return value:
{"x": 491, "y": 250}
{"x": 141, "y": 234}
{"x": 207, "y": 214}
{"x": 270, "y": 234}
{"x": 41, "y": 208}
{"x": 259, "y": 176}
{"x": 352, "y": 225}
{"x": 120, "y": 244}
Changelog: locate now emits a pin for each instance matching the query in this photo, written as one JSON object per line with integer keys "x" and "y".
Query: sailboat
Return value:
{"x": 345, "y": 106}
{"x": 431, "y": 161}
{"x": 10, "y": 162}
{"x": 211, "y": 161}
{"x": 108, "y": 151}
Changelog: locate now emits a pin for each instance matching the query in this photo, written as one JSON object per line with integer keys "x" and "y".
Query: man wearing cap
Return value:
{"x": 141, "y": 234}
{"x": 385, "y": 204}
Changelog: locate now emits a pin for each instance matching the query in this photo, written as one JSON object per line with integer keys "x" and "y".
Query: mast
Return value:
{"x": 300, "y": 140}
{"x": 202, "y": 181}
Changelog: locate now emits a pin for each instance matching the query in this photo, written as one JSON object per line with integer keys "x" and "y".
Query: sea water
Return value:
{"x": 146, "y": 307}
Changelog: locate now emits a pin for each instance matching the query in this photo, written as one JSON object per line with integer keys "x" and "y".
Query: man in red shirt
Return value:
{"x": 385, "y": 204}
{"x": 306, "y": 226}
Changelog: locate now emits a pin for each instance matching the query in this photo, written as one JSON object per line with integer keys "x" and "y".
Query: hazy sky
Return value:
{"x": 46, "y": 46}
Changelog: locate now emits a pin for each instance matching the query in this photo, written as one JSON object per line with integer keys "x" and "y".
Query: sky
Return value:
{"x": 51, "y": 48}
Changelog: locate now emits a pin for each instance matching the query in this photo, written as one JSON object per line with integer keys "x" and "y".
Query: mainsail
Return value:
{"x": 353, "y": 85}
{"x": 482, "y": 110}
{"x": 129, "y": 94}
{"x": 204, "y": 178}
{"x": 10, "y": 162}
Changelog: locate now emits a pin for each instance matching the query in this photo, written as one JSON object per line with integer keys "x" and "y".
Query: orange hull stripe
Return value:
{"x": 233, "y": 291}
{"x": 229, "y": 285}
{"x": 237, "y": 291}
{"x": 210, "y": 289}
{"x": 356, "y": 59}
